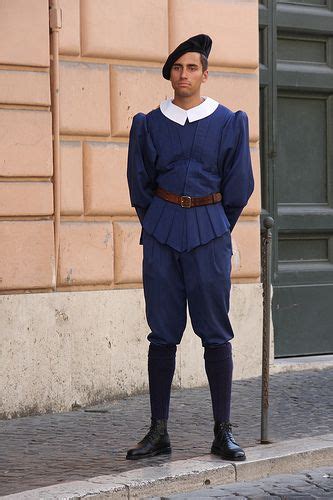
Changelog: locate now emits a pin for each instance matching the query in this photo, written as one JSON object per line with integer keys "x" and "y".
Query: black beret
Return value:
{"x": 198, "y": 43}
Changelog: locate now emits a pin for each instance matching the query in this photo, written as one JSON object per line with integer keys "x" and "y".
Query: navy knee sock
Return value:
{"x": 161, "y": 367}
{"x": 219, "y": 365}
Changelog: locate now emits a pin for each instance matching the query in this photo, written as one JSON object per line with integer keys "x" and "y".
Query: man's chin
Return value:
{"x": 183, "y": 92}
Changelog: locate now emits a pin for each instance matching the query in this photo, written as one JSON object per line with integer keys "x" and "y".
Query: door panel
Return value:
{"x": 298, "y": 173}
{"x": 302, "y": 151}
{"x": 303, "y": 323}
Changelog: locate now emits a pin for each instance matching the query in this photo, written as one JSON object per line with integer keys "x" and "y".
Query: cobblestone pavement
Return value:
{"x": 49, "y": 449}
{"x": 315, "y": 483}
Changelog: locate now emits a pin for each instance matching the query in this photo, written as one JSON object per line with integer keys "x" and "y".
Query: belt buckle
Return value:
{"x": 185, "y": 201}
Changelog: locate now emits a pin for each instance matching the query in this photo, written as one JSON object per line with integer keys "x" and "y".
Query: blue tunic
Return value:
{"x": 196, "y": 159}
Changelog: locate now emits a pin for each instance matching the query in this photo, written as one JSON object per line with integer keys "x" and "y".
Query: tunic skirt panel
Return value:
{"x": 184, "y": 228}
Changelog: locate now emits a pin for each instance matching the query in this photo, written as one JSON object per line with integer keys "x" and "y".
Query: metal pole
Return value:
{"x": 267, "y": 259}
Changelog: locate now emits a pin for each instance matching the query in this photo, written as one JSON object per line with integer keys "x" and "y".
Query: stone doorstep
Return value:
{"x": 188, "y": 475}
{"x": 301, "y": 363}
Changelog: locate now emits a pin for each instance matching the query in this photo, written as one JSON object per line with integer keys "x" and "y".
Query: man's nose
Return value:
{"x": 183, "y": 73}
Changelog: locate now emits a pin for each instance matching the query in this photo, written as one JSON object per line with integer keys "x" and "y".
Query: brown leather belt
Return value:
{"x": 188, "y": 201}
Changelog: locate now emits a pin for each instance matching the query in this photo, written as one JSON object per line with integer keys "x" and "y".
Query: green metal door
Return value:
{"x": 297, "y": 169}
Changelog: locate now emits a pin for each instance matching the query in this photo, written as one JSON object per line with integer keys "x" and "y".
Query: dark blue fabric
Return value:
{"x": 219, "y": 367}
{"x": 195, "y": 159}
{"x": 200, "y": 277}
{"x": 161, "y": 368}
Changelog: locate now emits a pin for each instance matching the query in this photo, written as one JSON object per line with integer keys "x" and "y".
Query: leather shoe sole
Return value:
{"x": 226, "y": 456}
{"x": 161, "y": 451}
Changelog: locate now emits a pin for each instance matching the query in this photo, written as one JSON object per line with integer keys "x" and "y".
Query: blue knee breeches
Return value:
{"x": 200, "y": 277}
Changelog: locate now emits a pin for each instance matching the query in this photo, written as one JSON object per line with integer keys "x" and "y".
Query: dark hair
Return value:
{"x": 204, "y": 62}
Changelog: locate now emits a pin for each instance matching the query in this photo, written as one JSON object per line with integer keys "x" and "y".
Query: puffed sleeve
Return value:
{"x": 237, "y": 175}
{"x": 141, "y": 165}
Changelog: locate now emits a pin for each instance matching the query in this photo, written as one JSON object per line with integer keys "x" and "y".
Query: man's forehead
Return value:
{"x": 189, "y": 58}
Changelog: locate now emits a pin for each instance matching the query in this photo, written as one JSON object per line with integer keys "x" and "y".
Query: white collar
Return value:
{"x": 179, "y": 115}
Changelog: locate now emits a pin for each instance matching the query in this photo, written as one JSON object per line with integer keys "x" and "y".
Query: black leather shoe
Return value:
{"x": 224, "y": 443}
{"x": 155, "y": 442}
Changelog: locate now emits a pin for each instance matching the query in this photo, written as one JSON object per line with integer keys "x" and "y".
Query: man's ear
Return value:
{"x": 205, "y": 75}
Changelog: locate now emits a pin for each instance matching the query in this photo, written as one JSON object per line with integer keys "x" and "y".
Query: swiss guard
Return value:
{"x": 190, "y": 176}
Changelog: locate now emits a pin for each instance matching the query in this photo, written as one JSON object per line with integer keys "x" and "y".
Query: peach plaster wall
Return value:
{"x": 111, "y": 55}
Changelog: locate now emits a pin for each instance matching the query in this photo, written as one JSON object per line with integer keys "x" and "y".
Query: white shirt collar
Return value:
{"x": 179, "y": 115}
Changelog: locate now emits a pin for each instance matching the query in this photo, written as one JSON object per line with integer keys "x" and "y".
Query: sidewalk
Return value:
{"x": 51, "y": 449}
{"x": 307, "y": 484}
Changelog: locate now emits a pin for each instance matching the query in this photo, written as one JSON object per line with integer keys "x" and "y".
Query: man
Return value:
{"x": 189, "y": 176}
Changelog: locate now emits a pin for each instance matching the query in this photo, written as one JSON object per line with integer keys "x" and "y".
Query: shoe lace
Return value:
{"x": 226, "y": 427}
{"x": 151, "y": 435}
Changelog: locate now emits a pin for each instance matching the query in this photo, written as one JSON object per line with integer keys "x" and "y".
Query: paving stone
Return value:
{"x": 55, "y": 448}
{"x": 316, "y": 483}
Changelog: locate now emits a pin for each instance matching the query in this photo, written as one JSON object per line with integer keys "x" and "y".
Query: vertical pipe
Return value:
{"x": 55, "y": 26}
{"x": 267, "y": 244}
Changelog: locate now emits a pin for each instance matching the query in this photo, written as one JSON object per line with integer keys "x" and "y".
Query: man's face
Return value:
{"x": 186, "y": 74}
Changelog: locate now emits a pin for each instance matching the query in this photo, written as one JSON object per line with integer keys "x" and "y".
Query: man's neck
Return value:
{"x": 187, "y": 102}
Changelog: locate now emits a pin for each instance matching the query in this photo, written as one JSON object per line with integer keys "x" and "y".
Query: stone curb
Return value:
{"x": 188, "y": 475}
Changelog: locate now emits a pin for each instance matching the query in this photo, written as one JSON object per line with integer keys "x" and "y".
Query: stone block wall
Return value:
{"x": 26, "y": 191}
{"x": 111, "y": 54}
{"x": 83, "y": 338}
